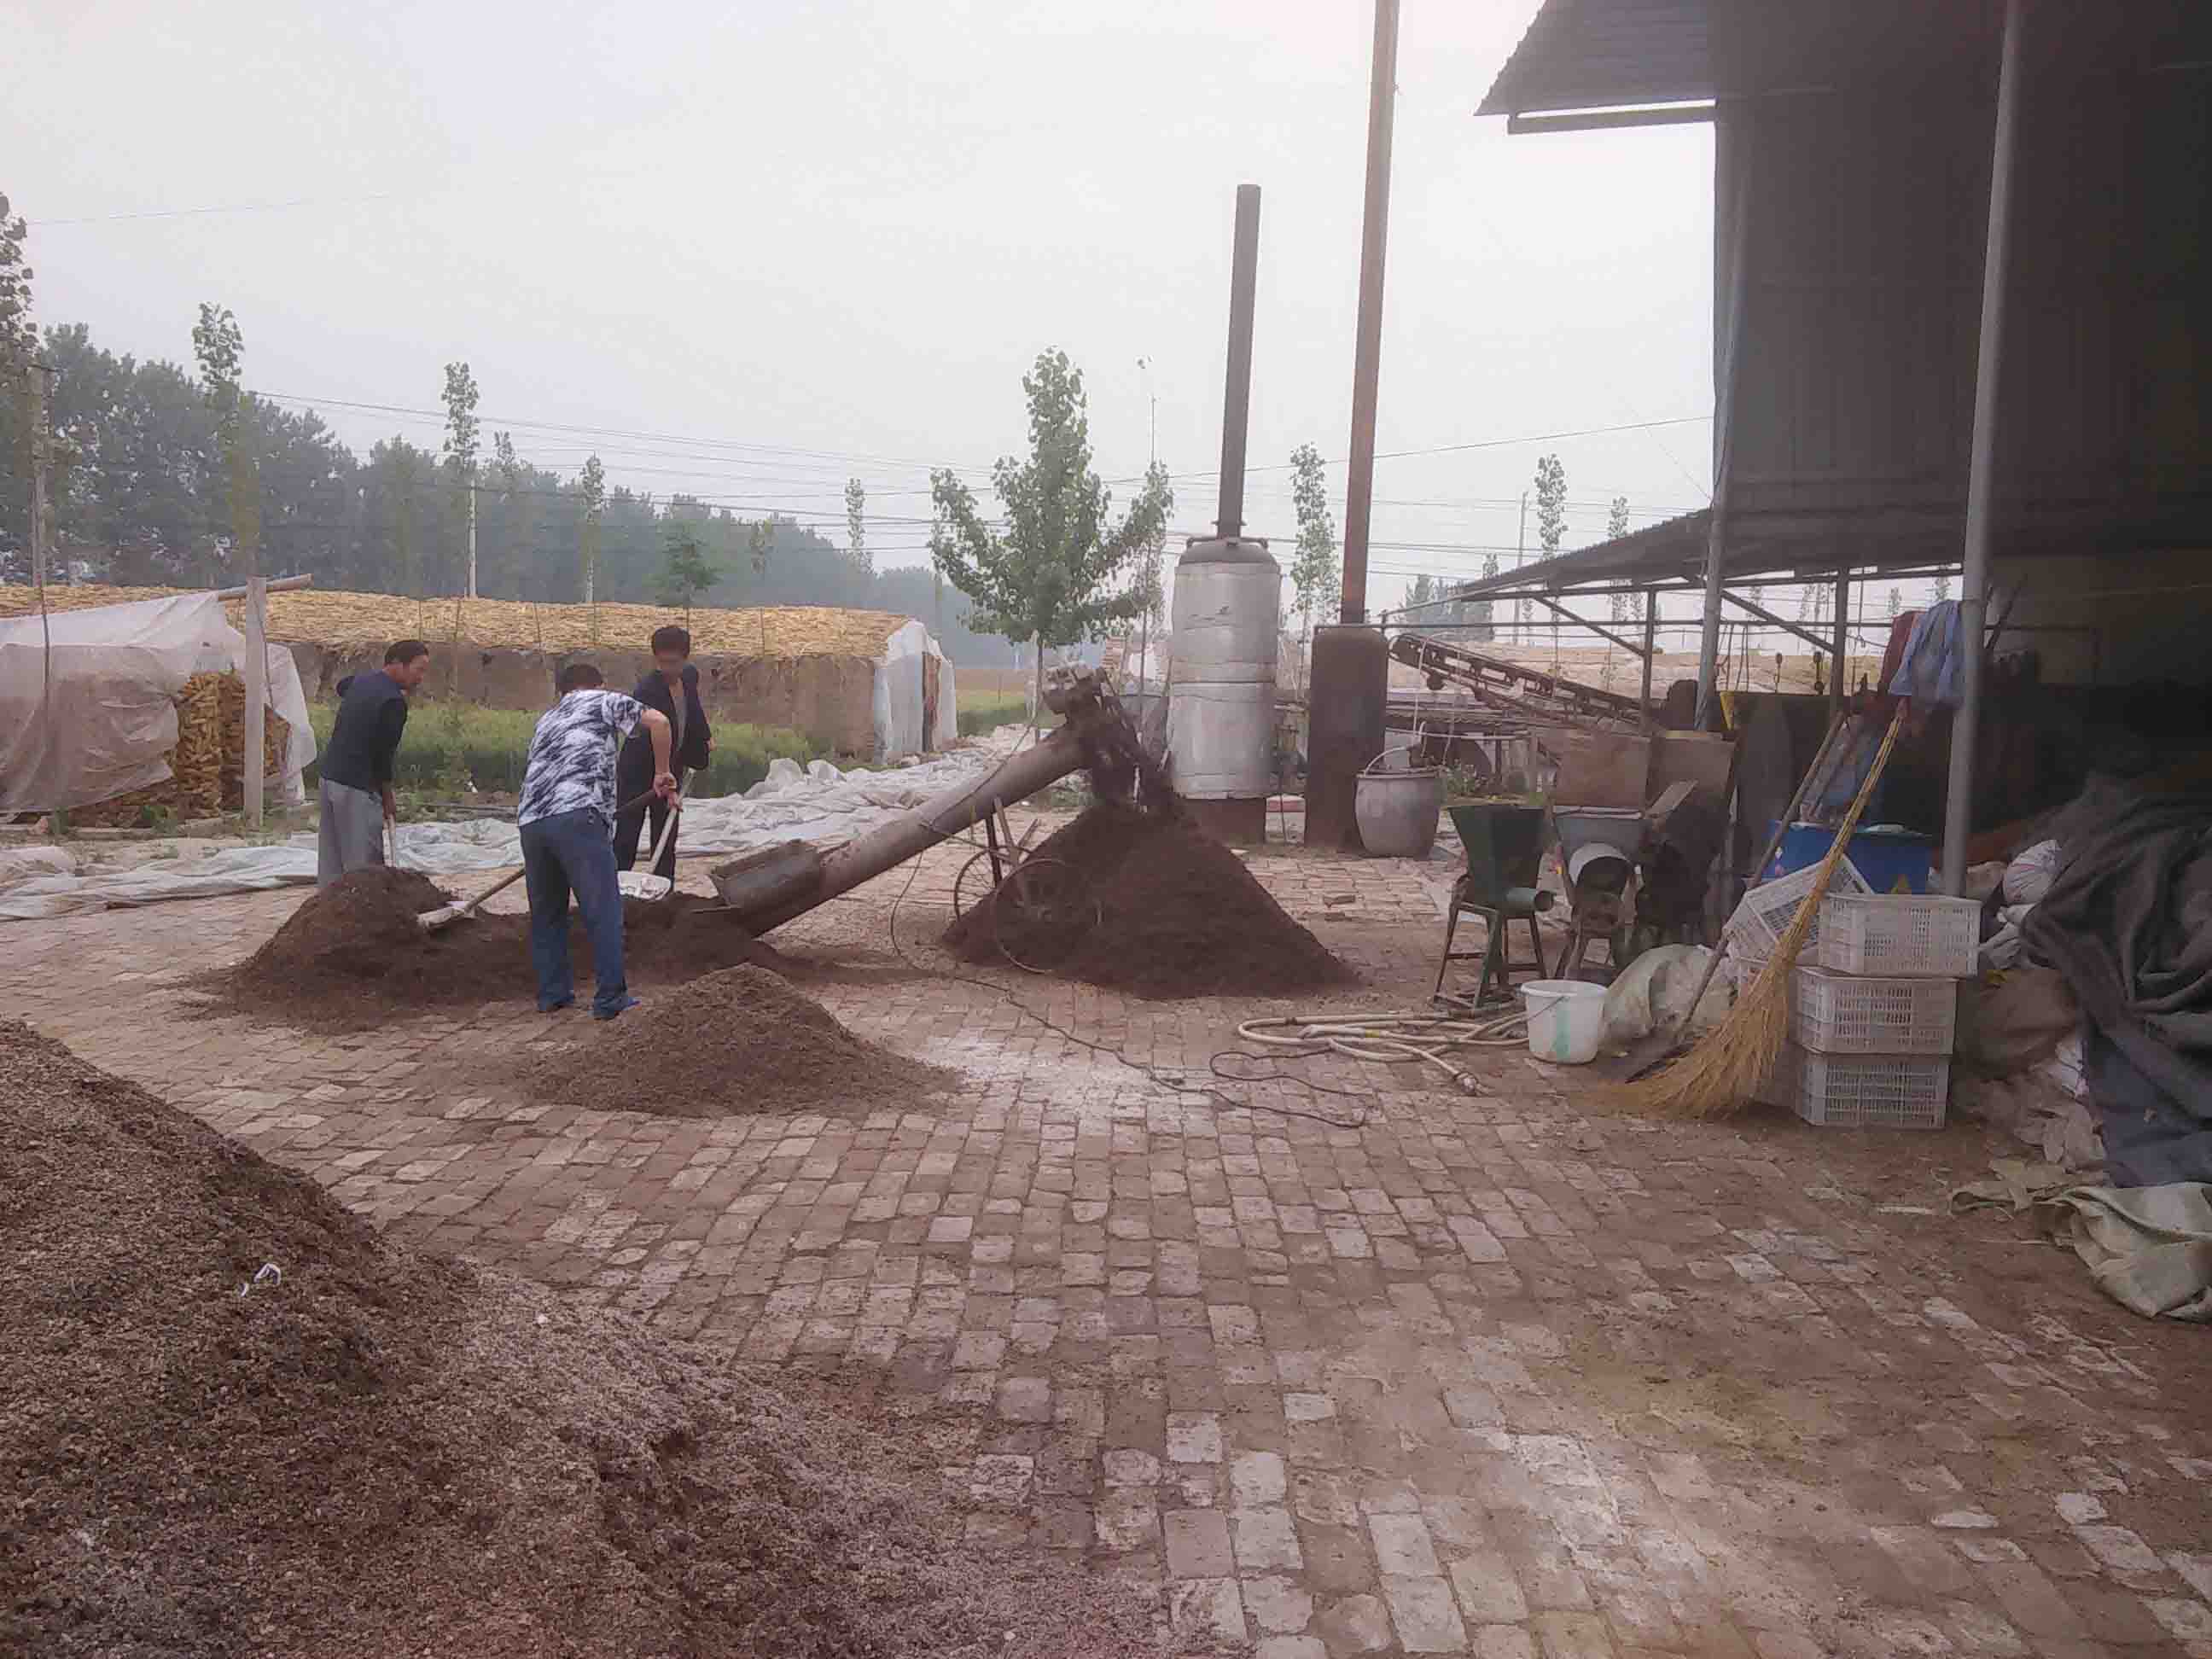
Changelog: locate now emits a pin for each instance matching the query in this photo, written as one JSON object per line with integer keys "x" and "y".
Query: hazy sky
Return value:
{"x": 798, "y": 242}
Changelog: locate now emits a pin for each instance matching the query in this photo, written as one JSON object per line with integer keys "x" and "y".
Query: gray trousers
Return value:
{"x": 351, "y": 835}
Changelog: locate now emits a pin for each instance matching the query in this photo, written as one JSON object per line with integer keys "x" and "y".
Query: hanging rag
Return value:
{"x": 1929, "y": 670}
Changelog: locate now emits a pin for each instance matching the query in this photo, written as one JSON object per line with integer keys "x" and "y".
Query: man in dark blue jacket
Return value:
{"x": 673, "y": 689}
{"x": 356, "y": 765}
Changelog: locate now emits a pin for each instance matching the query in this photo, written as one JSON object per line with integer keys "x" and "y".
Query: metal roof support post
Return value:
{"x": 1650, "y": 649}
{"x": 1708, "y": 645}
{"x": 1974, "y": 583}
{"x": 1838, "y": 691}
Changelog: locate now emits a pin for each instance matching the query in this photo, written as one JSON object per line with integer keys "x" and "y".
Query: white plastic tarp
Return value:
{"x": 817, "y": 803}
{"x": 898, "y": 706}
{"x": 87, "y": 699}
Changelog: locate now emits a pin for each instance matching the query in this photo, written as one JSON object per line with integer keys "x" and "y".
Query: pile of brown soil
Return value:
{"x": 380, "y": 1452}
{"x": 1166, "y": 911}
{"x": 739, "y": 1040}
{"x": 351, "y": 954}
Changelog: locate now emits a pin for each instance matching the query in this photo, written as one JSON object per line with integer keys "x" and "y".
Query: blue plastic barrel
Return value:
{"x": 1892, "y": 861}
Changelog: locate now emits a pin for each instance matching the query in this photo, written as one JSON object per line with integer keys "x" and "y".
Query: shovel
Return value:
{"x": 431, "y": 921}
{"x": 645, "y": 885}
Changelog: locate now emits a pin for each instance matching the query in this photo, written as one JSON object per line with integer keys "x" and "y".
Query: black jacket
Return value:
{"x": 372, "y": 719}
{"x": 634, "y": 773}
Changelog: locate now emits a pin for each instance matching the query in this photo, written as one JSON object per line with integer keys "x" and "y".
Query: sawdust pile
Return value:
{"x": 351, "y": 954}
{"x": 738, "y": 1041}
{"x": 382, "y": 1452}
{"x": 1164, "y": 911}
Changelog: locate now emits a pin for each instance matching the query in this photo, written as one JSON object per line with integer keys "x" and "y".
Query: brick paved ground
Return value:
{"x": 1492, "y": 1376}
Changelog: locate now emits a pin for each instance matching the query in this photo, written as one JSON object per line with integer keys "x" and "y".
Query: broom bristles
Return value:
{"x": 1722, "y": 1073}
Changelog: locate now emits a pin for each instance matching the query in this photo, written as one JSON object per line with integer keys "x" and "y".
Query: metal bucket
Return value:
{"x": 1397, "y": 812}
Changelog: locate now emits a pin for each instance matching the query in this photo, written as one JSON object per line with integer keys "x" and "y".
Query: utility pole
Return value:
{"x": 1520, "y": 549}
{"x": 40, "y": 378}
{"x": 470, "y": 485}
{"x": 1152, "y": 567}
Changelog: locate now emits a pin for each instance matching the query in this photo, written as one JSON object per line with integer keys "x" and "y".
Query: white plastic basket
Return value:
{"x": 1908, "y": 935}
{"x": 1861, "y": 1092}
{"x": 1764, "y": 912}
{"x": 1845, "y": 1014}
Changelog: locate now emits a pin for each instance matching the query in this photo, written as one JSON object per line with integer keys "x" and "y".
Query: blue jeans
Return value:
{"x": 570, "y": 852}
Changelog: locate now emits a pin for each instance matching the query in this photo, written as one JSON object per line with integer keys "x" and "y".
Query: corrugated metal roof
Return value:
{"x": 1587, "y": 54}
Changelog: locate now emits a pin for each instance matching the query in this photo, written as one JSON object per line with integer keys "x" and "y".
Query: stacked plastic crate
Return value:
{"x": 1874, "y": 998}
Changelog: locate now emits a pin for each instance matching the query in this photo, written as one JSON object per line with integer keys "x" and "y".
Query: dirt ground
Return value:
{"x": 1333, "y": 1362}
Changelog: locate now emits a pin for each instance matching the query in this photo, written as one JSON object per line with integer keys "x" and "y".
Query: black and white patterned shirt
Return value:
{"x": 571, "y": 766}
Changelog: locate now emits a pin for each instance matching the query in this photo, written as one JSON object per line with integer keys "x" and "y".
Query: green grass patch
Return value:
{"x": 452, "y": 747}
{"x": 982, "y": 711}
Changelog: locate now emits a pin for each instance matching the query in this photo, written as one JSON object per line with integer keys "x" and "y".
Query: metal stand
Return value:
{"x": 1516, "y": 904}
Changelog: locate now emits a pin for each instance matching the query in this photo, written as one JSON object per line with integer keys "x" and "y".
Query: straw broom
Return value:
{"x": 1723, "y": 1072}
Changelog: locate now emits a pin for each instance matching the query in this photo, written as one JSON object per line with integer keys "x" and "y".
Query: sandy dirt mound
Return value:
{"x": 381, "y": 1453}
{"x": 351, "y": 954}
{"x": 1167, "y": 912}
{"x": 738, "y": 1041}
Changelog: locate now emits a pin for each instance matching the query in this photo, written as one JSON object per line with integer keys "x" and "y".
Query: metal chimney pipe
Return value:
{"x": 1236, "y": 402}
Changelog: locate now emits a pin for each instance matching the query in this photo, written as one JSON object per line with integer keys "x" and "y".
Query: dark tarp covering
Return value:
{"x": 2129, "y": 922}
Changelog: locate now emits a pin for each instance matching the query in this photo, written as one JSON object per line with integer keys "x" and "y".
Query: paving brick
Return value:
{"x": 1197, "y": 1544}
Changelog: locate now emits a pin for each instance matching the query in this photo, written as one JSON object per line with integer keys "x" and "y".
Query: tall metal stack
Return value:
{"x": 1226, "y": 610}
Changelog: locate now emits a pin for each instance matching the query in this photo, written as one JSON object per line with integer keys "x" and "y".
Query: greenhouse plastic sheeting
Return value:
{"x": 92, "y": 715}
{"x": 818, "y": 804}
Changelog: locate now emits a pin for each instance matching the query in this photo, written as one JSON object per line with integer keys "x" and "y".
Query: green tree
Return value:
{"x": 856, "y": 525}
{"x": 1046, "y": 573}
{"x": 685, "y": 570}
{"x": 1550, "y": 515}
{"x": 514, "y": 512}
{"x": 1423, "y": 590}
{"x": 592, "y": 489}
{"x": 1896, "y": 603}
{"x": 18, "y": 339}
{"x": 460, "y": 453}
{"x": 219, "y": 346}
{"x": 1316, "y": 574}
{"x": 1942, "y": 589}
{"x": 1616, "y": 526}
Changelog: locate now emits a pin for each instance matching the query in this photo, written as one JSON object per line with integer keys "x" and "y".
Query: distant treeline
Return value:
{"x": 139, "y": 494}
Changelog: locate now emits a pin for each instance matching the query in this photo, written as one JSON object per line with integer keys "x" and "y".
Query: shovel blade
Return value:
{"x": 638, "y": 886}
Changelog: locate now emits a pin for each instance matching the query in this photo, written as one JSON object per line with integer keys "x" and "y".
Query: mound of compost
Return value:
{"x": 351, "y": 954}
{"x": 372, "y": 1451}
{"x": 1161, "y": 909}
{"x": 738, "y": 1041}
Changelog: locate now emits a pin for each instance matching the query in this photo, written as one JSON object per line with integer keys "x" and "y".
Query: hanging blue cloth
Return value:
{"x": 1928, "y": 671}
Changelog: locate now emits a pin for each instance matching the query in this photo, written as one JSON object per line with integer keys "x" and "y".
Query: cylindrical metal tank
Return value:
{"x": 1350, "y": 689}
{"x": 1221, "y": 704}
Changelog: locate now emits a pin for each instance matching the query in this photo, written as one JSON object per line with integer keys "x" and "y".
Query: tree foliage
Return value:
{"x": 686, "y": 572}
{"x": 592, "y": 491}
{"x": 1317, "y": 572}
{"x": 1047, "y": 569}
{"x": 220, "y": 345}
{"x": 856, "y": 525}
{"x": 139, "y": 492}
{"x": 1616, "y": 526}
{"x": 18, "y": 337}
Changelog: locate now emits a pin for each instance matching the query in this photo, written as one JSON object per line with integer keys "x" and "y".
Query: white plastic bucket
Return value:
{"x": 1565, "y": 1018}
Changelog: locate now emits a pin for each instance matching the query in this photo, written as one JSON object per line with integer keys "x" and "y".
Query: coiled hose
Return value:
{"x": 1391, "y": 1037}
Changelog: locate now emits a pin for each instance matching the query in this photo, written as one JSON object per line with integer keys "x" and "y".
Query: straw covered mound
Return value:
{"x": 739, "y": 1040}
{"x": 351, "y": 954}
{"x": 1169, "y": 912}
{"x": 380, "y": 1452}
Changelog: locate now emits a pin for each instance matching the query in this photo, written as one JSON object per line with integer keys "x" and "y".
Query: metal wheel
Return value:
{"x": 1041, "y": 912}
{"x": 973, "y": 885}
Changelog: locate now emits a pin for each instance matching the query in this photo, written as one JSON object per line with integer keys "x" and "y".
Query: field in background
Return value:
{"x": 983, "y": 710}
{"x": 452, "y": 747}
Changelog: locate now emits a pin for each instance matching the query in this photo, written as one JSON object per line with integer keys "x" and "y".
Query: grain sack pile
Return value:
{"x": 107, "y": 710}
{"x": 240, "y": 1422}
{"x": 870, "y": 683}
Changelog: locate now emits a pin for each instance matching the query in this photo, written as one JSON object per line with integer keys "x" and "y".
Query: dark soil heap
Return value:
{"x": 739, "y": 1040}
{"x": 381, "y": 1453}
{"x": 1170, "y": 912}
{"x": 351, "y": 953}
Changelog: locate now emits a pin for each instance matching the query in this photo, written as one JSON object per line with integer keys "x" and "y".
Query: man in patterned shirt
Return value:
{"x": 567, "y": 822}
